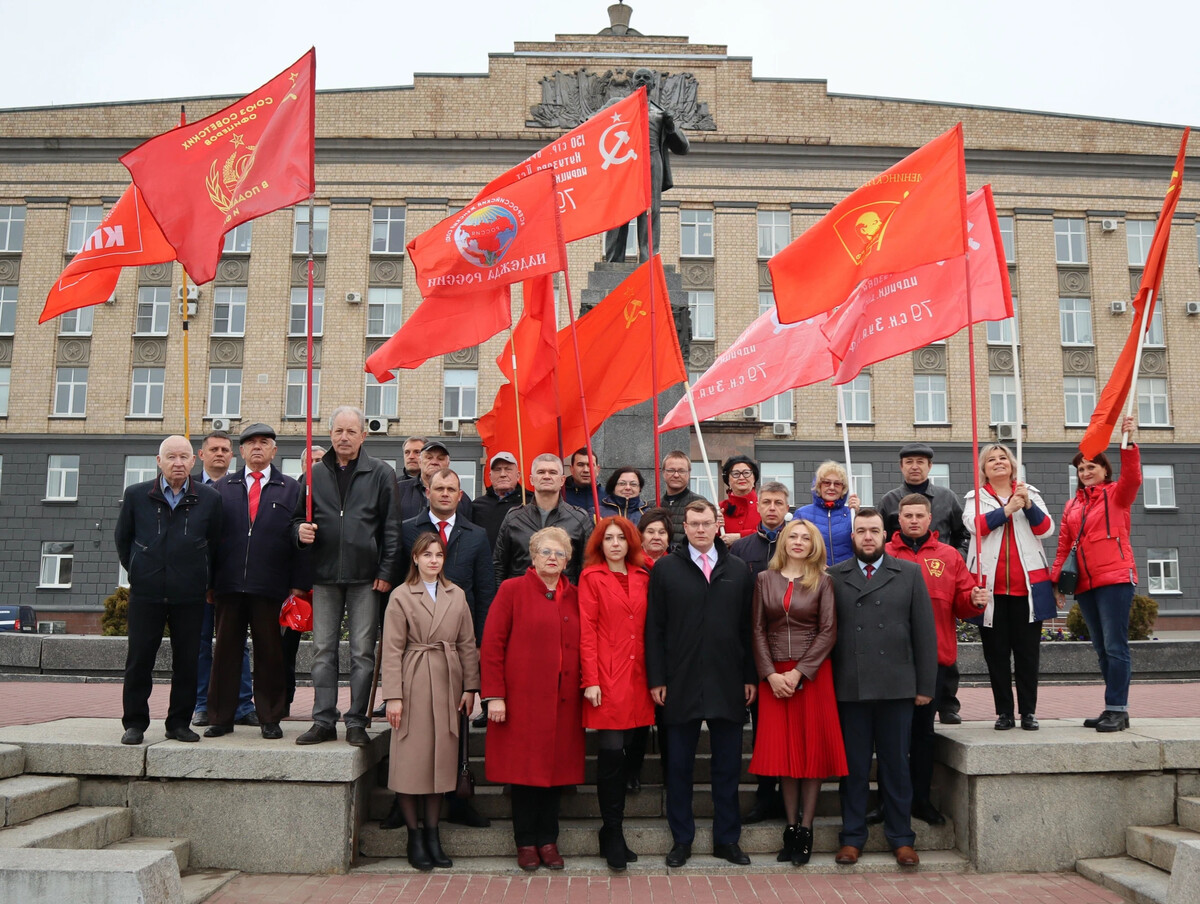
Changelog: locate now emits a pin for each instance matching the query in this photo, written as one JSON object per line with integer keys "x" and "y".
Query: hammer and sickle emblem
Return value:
{"x": 610, "y": 154}
{"x": 632, "y": 312}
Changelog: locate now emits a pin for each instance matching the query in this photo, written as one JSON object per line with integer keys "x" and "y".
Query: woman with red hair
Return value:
{"x": 612, "y": 653}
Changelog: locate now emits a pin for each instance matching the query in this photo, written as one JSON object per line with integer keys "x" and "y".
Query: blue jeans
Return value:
{"x": 204, "y": 669}
{"x": 360, "y": 604}
{"x": 1106, "y": 611}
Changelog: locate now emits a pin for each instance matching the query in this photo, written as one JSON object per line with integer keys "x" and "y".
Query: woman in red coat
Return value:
{"x": 612, "y": 653}
{"x": 530, "y": 676}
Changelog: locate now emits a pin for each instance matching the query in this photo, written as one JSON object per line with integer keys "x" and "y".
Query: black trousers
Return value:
{"x": 725, "y": 739}
{"x": 920, "y": 757}
{"x": 145, "y": 633}
{"x": 290, "y": 641}
{"x": 880, "y": 728}
{"x": 948, "y": 701}
{"x": 1014, "y": 637}
{"x": 535, "y": 815}
{"x": 236, "y": 611}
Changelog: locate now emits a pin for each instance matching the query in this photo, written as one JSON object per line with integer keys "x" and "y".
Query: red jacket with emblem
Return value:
{"x": 612, "y": 648}
{"x": 950, "y": 584}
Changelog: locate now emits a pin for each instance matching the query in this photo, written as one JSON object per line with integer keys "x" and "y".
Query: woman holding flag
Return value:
{"x": 831, "y": 511}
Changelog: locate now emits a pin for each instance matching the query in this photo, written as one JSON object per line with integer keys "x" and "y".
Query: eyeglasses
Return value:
{"x": 629, "y": 483}
{"x": 837, "y": 484}
{"x": 675, "y": 472}
{"x": 552, "y": 553}
{"x": 741, "y": 473}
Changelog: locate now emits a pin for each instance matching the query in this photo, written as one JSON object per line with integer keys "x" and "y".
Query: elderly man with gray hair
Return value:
{"x": 355, "y": 538}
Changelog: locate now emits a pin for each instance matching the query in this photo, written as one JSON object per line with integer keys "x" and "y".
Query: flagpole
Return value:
{"x": 653, "y": 357}
{"x": 308, "y": 393}
{"x": 712, "y": 482}
{"x": 846, "y": 441}
{"x": 183, "y": 293}
{"x": 1017, "y": 381}
{"x": 975, "y": 420}
{"x": 512, "y": 343}
{"x": 558, "y": 396}
{"x": 1137, "y": 365}
{"x": 587, "y": 430}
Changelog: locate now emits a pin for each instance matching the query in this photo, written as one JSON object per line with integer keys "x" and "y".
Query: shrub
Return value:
{"x": 116, "y": 612}
{"x": 1142, "y": 616}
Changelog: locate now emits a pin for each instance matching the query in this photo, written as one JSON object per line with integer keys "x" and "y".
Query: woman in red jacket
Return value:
{"x": 612, "y": 654}
{"x": 1096, "y": 524}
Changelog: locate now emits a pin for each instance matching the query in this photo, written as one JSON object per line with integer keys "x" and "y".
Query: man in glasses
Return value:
{"x": 547, "y": 509}
{"x": 677, "y": 474}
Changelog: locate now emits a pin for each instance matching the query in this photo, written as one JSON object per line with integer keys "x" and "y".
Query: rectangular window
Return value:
{"x": 8, "y": 310}
{"x": 56, "y": 565}
{"x": 699, "y": 482}
{"x": 1070, "y": 241}
{"x": 1007, "y": 239}
{"x": 695, "y": 233}
{"x": 153, "y": 310}
{"x": 229, "y": 311}
{"x": 1003, "y": 392}
{"x": 1079, "y": 399}
{"x": 703, "y": 318}
{"x": 291, "y": 467}
{"x": 62, "y": 478}
{"x": 1155, "y": 335}
{"x": 298, "y": 315}
{"x": 385, "y": 311}
{"x": 139, "y": 468}
{"x": 237, "y": 239}
{"x": 387, "y": 230}
{"x": 1000, "y": 332}
{"x": 146, "y": 397}
{"x": 1138, "y": 236}
{"x": 5, "y": 383}
{"x": 1158, "y": 486}
{"x": 1163, "y": 568}
{"x": 297, "y": 384}
{"x": 70, "y": 392}
{"x": 77, "y": 322}
{"x": 1075, "y": 321}
{"x": 12, "y": 227}
{"x": 855, "y": 398}
{"x": 465, "y": 469}
{"x": 863, "y": 482}
{"x": 382, "y": 399}
{"x": 929, "y": 399}
{"x": 939, "y": 475}
{"x": 459, "y": 388}
{"x": 85, "y": 219}
{"x": 225, "y": 392}
{"x": 774, "y": 231}
{"x": 1152, "y": 402}
{"x": 778, "y": 409}
{"x": 320, "y": 230}
{"x": 766, "y": 301}
{"x": 781, "y": 472}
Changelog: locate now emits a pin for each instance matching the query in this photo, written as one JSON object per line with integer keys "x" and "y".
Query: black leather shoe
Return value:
{"x": 923, "y": 809}
{"x": 417, "y": 852}
{"x": 468, "y": 816}
{"x": 874, "y": 816}
{"x": 132, "y": 736}
{"x": 182, "y": 734}
{"x": 1004, "y": 723}
{"x": 1029, "y": 722}
{"x": 395, "y": 818}
{"x": 679, "y": 854}
{"x": 380, "y": 711}
{"x": 200, "y": 717}
{"x": 480, "y": 721}
{"x": 633, "y": 784}
{"x": 1113, "y": 720}
{"x": 433, "y": 845}
{"x": 1092, "y": 723}
{"x": 317, "y": 734}
{"x": 356, "y": 736}
{"x": 216, "y": 731}
{"x": 804, "y": 846}
{"x": 762, "y": 811}
{"x": 788, "y": 851}
{"x": 271, "y": 731}
{"x": 949, "y": 718}
{"x": 248, "y": 719}
{"x": 732, "y": 853}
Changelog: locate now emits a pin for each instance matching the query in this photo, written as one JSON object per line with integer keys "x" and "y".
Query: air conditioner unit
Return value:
{"x": 354, "y": 298}
{"x": 1109, "y": 225}
{"x": 1006, "y": 433}
{"x": 1193, "y": 308}
{"x": 220, "y": 423}
{"x": 193, "y": 293}
{"x": 782, "y": 429}
{"x": 1118, "y": 307}
{"x": 191, "y": 308}
{"x": 112, "y": 299}
{"x": 377, "y": 425}
{"x": 450, "y": 425}
{"x": 751, "y": 413}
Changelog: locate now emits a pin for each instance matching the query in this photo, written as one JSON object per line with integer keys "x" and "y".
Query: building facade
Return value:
{"x": 85, "y": 399}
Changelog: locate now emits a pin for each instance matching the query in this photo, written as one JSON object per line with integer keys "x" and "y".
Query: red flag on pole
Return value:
{"x": 254, "y": 156}
{"x": 601, "y": 169}
{"x": 1108, "y": 408}
{"x": 535, "y": 339}
{"x": 911, "y": 214}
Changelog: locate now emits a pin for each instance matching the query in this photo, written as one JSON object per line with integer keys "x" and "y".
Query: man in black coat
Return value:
{"x": 547, "y": 508}
{"x": 166, "y": 534}
{"x": 489, "y": 508}
{"x": 434, "y": 457}
{"x": 700, "y": 668}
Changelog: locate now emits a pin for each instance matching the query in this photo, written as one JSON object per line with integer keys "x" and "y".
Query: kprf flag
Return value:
{"x": 898, "y": 312}
{"x": 913, "y": 213}
{"x": 601, "y": 169}
{"x": 255, "y": 156}
{"x": 768, "y": 358}
{"x": 127, "y": 237}
{"x": 1109, "y": 407}
{"x": 465, "y": 265}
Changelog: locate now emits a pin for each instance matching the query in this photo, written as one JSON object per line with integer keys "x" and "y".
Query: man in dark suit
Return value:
{"x": 884, "y": 664}
{"x": 700, "y": 669}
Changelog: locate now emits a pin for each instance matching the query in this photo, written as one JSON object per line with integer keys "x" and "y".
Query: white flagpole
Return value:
{"x": 1017, "y": 381}
{"x": 708, "y": 472}
{"x": 845, "y": 438}
{"x": 1137, "y": 365}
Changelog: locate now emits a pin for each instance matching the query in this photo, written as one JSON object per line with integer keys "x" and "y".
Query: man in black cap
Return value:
{"x": 490, "y": 507}
{"x": 257, "y": 567}
{"x": 434, "y": 457}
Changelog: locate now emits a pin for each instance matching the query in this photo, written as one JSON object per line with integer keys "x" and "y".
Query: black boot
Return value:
{"x": 418, "y": 854}
{"x": 610, "y": 794}
{"x": 395, "y": 818}
{"x": 804, "y": 843}
{"x": 789, "y": 844}
{"x": 433, "y": 844}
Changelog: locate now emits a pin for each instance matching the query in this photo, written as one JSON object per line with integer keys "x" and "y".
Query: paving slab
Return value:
{"x": 1061, "y": 746}
{"x": 201, "y": 884}
{"x": 1133, "y": 880}
{"x": 25, "y": 797}
{"x": 114, "y": 877}
{"x": 79, "y": 747}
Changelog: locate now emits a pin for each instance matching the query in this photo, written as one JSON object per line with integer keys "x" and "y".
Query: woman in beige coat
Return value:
{"x": 430, "y": 675}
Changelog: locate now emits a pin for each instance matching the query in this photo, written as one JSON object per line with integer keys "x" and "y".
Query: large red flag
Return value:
{"x": 1112, "y": 399}
{"x": 127, "y": 237}
{"x": 601, "y": 167}
{"x": 535, "y": 338}
{"x": 465, "y": 265}
{"x": 911, "y": 214}
{"x": 253, "y": 157}
{"x": 899, "y": 312}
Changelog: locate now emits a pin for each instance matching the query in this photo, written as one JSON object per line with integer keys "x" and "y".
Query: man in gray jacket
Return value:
{"x": 548, "y": 509}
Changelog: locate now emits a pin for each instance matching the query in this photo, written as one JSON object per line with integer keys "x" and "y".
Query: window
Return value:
{"x": 298, "y": 318}
{"x": 459, "y": 393}
{"x": 778, "y": 409}
{"x": 56, "y": 565}
{"x": 1, "y": 466}
{"x": 139, "y": 468}
{"x": 1079, "y": 399}
{"x": 1154, "y": 329}
{"x": 1138, "y": 236}
{"x": 146, "y": 398}
{"x": 225, "y": 392}
{"x": 320, "y": 230}
{"x": 8, "y": 310}
{"x": 766, "y": 301}
{"x": 387, "y": 230}
{"x": 929, "y": 399}
{"x": 939, "y": 475}
{"x": 1152, "y": 402}
{"x": 12, "y": 227}
{"x": 699, "y": 482}
{"x": 153, "y": 310}
{"x": 5, "y": 383}
{"x": 1075, "y": 321}
{"x": 1158, "y": 486}
{"x": 862, "y": 481}
{"x": 774, "y": 232}
{"x": 77, "y": 322}
{"x": 1000, "y": 332}
{"x": 297, "y": 386}
{"x": 855, "y": 400}
{"x": 465, "y": 470}
{"x": 703, "y": 319}
{"x": 70, "y": 392}
{"x": 291, "y": 467}
{"x": 1007, "y": 239}
{"x": 385, "y": 311}
{"x": 1003, "y": 392}
{"x": 695, "y": 233}
{"x": 229, "y": 311}
{"x": 85, "y": 219}
{"x": 237, "y": 240}
{"x": 783, "y": 472}
{"x": 1070, "y": 242}
{"x": 62, "y": 478}
{"x": 1163, "y": 567}
{"x": 382, "y": 399}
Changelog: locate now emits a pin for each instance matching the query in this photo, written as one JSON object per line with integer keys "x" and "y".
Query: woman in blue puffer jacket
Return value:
{"x": 831, "y": 511}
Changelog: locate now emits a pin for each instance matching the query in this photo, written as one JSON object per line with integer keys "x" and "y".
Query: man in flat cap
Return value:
{"x": 258, "y": 566}
{"x": 413, "y": 493}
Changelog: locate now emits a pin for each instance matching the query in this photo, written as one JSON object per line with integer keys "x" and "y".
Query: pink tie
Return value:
{"x": 870, "y": 570}
{"x": 255, "y": 492}
{"x": 707, "y": 567}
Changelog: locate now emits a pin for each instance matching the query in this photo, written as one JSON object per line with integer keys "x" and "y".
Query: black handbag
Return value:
{"x": 1068, "y": 575}
{"x": 466, "y": 779}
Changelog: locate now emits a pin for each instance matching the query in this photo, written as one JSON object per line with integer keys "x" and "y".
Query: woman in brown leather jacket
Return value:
{"x": 799, "y": 736}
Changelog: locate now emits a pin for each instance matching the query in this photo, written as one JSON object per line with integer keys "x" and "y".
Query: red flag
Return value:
{"x": 127, "y": 237}
{"x": 465, "y": 265}
{"x": 1108, "y": 409}
{"x": 601, "y": 167}
{"x": 911, "y": 214}
{"x": 898, "y": 312}
{"x": 536, "y": 341}
{"x": 767, "y": 359}
{"x": 253, "y": 157}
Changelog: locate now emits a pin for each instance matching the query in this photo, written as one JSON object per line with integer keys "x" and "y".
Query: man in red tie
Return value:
{"x": 258, "y": 566}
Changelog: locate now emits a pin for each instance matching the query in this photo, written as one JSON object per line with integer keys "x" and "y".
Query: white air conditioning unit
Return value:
{"x": 220, "y": 423}
{"x": 1193, "y": 308}
{"x": 193, "y": 293}
{"x": 112, "y": 299}
{"x": 1118, "y": 307}
{"x": 751, "y": 413}
{"x": 377, "y": 425}
{"x": 1109, "y": 225}
{"x": 354, "y": 298}
{"x": 450, "y": 425}
{"x": 191, "y": 308}
{"x": 1006, "y": 433}
{"x": 782, "y": 429}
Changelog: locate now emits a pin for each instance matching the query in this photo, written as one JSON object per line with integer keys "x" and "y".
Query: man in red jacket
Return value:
{"x": 954, "y": 595}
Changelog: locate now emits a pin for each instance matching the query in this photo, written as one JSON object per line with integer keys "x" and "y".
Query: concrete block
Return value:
{"x": 1180, "y": 740}
{"x": 20, "y": 652}
{"x": 1187, "y": 812}
{"x": 180, "y": 847}
{"x": 25, "y": 797}
{"x": 115, "y": 877}
{"x": 94, "y": 655}
{"x": 1131, "y": 879}
{"x": 12, "y": 760}
{"x": 1184, "y": 887}
{"x": 1156, "y": 844}
{"x": 1062, "y": 746}
{"x": 1187, "y": 782}
{"x": 77, "y": 747}
{"x": 80, "y": 828}
{"x": 104, "y": 792}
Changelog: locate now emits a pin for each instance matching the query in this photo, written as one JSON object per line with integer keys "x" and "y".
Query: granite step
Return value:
{"x": 1187, "y": 811}
{"x": 12, "y": 760}
{"x": 180, "y": 847}
{"x": 1156, "y": 844}
{"x": 26, "y": 797}
{"x": 78, "y": 828}
{"x": 478, "y": 736}
{"x": 1129, "y": 877}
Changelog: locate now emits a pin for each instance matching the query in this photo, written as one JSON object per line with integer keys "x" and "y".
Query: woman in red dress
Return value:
{"x": 799, "y": 735}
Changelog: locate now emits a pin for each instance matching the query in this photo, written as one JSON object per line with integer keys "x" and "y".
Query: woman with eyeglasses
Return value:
{"x": 531, "y": 680}
{"x": 832, "y": 511}
{"x": 623, "y": 495}
{"x": 739, "y": 508}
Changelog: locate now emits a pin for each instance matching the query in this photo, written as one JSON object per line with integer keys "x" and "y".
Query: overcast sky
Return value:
{"x": 1103, "y": 58}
